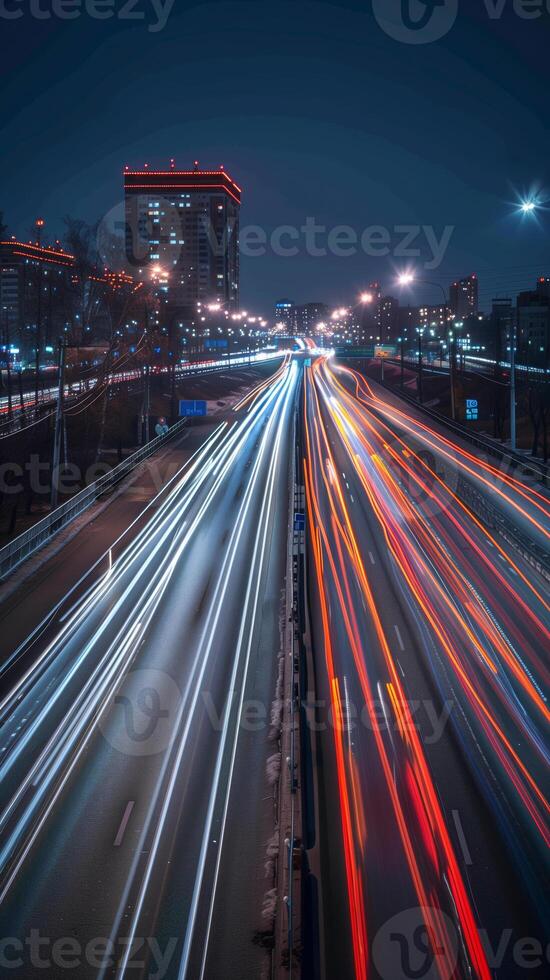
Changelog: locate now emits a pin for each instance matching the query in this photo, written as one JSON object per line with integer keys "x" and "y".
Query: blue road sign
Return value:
{"x": 188, "y": 407}
{"x": 299, "y": 522}
{"x": 472, "y": 410}
{"x": 211, "y": 342}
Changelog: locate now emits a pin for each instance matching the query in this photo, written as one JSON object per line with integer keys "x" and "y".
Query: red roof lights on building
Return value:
{"x": 40, "y": 253}
{"x": 181, "y": 180}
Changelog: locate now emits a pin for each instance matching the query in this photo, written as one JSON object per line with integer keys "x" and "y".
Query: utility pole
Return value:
{"x": 147, "y": 402}
{"x": 8, "y": 362}
{"x": 452, "y": 373}
{"x": 420, "y": 391}
{"x": 58, "y": 424}
{"x": 513, "y": 340}
{"x": 39, "y": 224}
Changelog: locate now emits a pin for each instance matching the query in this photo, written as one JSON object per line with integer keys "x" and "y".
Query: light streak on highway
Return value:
{"x": 513, "y": 494}
{"x": 470, "y": 623}
{"x": 184, "y": 600}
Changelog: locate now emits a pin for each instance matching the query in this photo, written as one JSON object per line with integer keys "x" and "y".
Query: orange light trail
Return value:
{"x": 430, "y": 818}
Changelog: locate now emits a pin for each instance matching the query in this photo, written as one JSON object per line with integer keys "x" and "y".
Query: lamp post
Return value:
{"x": 513, "y": 341}
{"x": 528, "y": 208}
{"x": 401, "y": 341}
{"x": 420, "y": 332}
{"x": 452, "y": 355}
{"x": 58, "y": 425}
{"x": 365, "y": 300}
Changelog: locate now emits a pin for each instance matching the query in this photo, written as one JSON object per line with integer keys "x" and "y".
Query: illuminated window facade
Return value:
{"x": 185, "y": 226}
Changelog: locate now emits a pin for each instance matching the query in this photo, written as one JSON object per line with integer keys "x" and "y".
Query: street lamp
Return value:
{"x": 401, "y": 341}
{"x": 420, "y": 332}
{"x": 406, "y": 278}
{"x": 529, "y": 206}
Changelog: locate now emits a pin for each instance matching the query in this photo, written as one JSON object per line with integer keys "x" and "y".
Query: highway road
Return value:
{"x": 134, "y": 802}
{"x": 431, "y": 640}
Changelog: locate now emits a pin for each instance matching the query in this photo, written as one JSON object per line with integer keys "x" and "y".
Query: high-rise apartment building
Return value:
{"x": 533, "y": 324}
{"x": 464, "y": 296}
{"x": 285, "y": 313}
{"x": 184, "y": 226}
{"x": 308, "y": 316}
{"x": 35, "y": 295}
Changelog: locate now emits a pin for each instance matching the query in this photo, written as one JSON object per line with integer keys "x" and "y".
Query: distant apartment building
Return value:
{"x": 533, "y": 324}
{"x": 308, "y": 315}
{"x": 464, "y": 297}
{"x": 389, "y": 319}
{"x": 35, "y": 295}
{"x": 183, "y": 225}
{"x": 501, "y": 325}
{"x": 285, "y": 314}
{"x": 436, "y": 318}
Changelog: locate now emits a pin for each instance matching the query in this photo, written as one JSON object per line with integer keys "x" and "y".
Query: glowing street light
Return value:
{"x": 528, "y": 207}
{"x": 406, "y": 278}
{"x": 366, "y": 297}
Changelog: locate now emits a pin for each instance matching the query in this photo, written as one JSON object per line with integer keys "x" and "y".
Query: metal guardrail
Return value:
{"x": 25, "y": 544}
{"x": 536, "y": 556}
{"x": 516, "y": 460}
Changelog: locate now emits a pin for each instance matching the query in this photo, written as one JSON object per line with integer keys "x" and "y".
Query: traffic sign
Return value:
{"x": 472, "y": 410}
{"x": 189, "y": 407}
{"x": 211, "y": 342}
{"x": 299, "y": 521}
{"x": 351, "y": 351}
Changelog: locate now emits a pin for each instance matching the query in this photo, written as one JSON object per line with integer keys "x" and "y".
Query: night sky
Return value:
{"x": 313, "y": 109}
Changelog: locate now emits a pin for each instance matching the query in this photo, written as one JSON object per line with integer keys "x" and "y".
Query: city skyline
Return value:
{"x": 300, "y": 144}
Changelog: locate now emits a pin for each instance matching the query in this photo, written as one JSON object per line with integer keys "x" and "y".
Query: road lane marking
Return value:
{"x": 462, "y": 838}
{"x": 399, "y": 639}
{"x": 124, "y": 823}
{"x": 372, "y": 559}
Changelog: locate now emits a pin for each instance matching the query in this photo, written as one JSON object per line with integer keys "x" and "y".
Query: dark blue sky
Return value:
{"x": 313, "y": 108}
